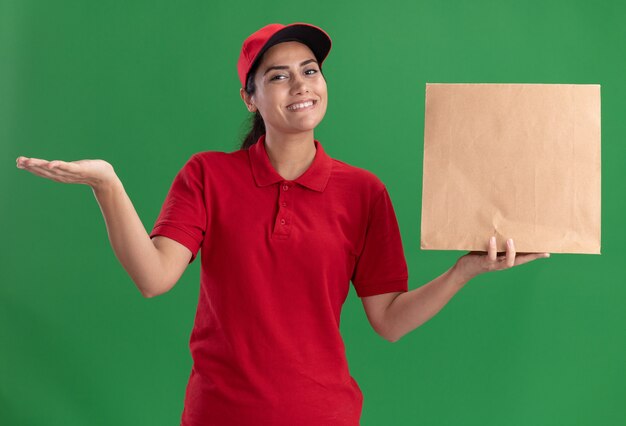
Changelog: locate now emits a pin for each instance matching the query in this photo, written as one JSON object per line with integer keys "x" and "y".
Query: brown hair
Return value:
{"x": 257, "y": 125}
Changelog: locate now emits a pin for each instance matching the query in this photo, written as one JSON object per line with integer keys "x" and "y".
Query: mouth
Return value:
{"x": 302, "y": 105}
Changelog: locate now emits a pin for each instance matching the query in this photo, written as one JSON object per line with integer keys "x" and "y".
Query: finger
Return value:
{"x": 533, "y": 252}
{"x": 25, "y": 162}
{"x": 492, "y": 252}
{"x": 61, "y": 165}
{"x": 525, "y": 258}
{"x": 510, "y": 253}
{"x": 31, "y": 162}
{"x": 40, "y": 171}
{"x": 57, "y": 170}
{"x": 54, "y": 174}
{"x": 36, "y": 161}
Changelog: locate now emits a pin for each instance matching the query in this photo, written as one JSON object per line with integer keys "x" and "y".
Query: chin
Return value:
{"x": 302, "y": 125}
{"x": 309, "y": 123}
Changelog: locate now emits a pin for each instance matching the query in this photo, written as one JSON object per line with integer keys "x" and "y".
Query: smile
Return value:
{"x": 308, "y": 104}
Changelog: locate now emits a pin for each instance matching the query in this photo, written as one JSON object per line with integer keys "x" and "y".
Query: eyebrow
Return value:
{"x": 285, "y": 67}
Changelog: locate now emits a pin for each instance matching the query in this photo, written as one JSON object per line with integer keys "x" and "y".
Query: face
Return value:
{"x": 290, "y": 89}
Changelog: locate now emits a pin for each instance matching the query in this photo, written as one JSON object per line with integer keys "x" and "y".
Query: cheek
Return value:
{"x": 322, "y": 93}
{"x": 321, "y": 87}
{"x": 276, "y": 98}
{"x": 324, "y": 103}
{"x": 268, "y": 104}
{"x": 322, "y": 111}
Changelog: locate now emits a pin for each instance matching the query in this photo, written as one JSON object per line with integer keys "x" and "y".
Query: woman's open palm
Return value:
{"x": 87, "y": 172}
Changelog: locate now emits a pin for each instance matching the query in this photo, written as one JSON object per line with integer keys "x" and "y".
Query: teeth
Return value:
{"x": 300, "y": 105}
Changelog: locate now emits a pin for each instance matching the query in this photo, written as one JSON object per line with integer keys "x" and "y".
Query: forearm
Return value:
{"x": 411, "y": 309}
{"x": 130, "y": 241}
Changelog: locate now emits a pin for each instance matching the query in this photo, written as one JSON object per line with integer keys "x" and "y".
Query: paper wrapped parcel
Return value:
{"x": 517, "y": 161}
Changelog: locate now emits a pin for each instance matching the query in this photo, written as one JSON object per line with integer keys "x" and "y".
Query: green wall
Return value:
{"x": 145, "y": 84}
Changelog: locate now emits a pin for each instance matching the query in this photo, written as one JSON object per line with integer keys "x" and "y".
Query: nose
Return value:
{"x": 299, "y": 85}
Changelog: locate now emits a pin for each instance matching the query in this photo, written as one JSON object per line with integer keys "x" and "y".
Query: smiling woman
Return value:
{"x": 283, "y": 228}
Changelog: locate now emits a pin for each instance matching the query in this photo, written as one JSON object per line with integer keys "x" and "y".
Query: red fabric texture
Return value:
{"x": 277, "y": 259}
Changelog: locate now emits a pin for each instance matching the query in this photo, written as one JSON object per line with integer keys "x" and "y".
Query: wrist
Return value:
{"x": 105, "y": 186}
{"x": 460, "y": 273}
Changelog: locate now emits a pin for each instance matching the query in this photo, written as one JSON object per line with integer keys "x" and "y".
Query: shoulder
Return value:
{"x": 217, "y": 160}
{"x": 357, "y": 178}
{"x": 216, "y": 157}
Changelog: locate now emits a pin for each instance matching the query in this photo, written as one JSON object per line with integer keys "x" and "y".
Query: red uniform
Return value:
{"x": 277, "y": 260}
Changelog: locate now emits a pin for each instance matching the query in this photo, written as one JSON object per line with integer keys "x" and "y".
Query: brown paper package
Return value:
{"x": 517, "y": 161}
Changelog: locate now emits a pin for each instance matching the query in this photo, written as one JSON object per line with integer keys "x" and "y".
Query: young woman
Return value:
{"x": 284, "y": 229}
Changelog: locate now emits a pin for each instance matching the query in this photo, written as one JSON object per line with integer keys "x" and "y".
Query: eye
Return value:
{"x": 311, "y": 71}
{"x": 278, "y": 77}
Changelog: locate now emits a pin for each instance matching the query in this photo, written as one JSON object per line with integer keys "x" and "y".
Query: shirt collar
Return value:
{"x": 315, "y": 177}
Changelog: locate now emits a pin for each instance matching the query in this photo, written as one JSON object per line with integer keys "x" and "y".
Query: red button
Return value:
{"x": 285, "y": 187}
{"x": 282, "y": 221}
{"x": 283, "y": 204}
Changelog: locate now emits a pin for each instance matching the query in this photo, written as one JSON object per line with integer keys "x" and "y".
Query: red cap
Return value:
{"x": 257, "y": 43}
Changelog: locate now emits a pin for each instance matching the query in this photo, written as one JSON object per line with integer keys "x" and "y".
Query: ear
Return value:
{"x": 247, "y": 99}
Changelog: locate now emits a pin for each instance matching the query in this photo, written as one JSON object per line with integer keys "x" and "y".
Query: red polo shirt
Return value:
{"x": 277, "y": 260}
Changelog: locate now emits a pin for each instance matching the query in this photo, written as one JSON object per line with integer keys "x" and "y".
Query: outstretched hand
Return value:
{"x": 477, "y": 262}
{"x": 88, "y": 172}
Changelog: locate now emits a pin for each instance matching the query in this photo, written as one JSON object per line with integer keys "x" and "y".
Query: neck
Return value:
{"x": 290, "y": 154}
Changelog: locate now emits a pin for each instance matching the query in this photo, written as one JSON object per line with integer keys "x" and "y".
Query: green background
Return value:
{"x": 145, "y": 84}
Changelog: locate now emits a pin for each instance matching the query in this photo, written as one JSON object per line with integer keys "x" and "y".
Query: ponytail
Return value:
{"x": 257, "y": 128}
{"x": 257, "y": 125}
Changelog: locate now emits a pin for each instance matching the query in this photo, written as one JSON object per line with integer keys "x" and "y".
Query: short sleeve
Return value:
{"x": 183, "y": 215}
{"x": 381, "y": 266}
